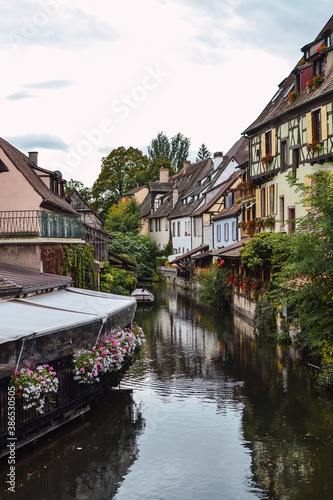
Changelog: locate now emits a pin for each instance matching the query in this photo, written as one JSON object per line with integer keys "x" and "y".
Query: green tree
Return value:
{"x": 175, "y": 149}
{"x": 267, "y": 250}
{"x": 84, "y": 191}
{"x": 306, "y": 281}
{"x": 124, "y": 217}
{"x": 119, "y": 281}
{"x": 203, "y": 153}
{"x": 118, "y": 175}
{"x": 142, "y": 249}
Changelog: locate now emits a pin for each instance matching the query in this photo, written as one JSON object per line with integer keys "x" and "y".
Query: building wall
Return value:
{"x": 162, "y": 235}
{"x": 181, "y": 235}
{"x": 21, "y": 255}
{"x": 223, "y": 232}
{"x": 15, "y": 191}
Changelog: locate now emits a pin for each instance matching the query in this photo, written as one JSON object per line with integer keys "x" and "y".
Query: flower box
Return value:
{"x": 314, "y": 82}
{"x": 314, "y": 146}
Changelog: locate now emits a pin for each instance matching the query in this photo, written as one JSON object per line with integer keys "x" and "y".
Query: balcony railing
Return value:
{"x": 39, "y": 224}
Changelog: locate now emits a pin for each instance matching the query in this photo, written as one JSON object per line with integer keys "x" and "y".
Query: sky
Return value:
{"x": 81, "y": 78}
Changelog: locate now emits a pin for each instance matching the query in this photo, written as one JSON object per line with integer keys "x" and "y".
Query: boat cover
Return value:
{"x": 50, "y": 312}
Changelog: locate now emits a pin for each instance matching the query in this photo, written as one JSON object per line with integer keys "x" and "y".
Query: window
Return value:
{"x": 218, "y": 232}
{"x": 166, "y": 224}
{"x": 319, "y": 67}
{"x": 263, "y": 202}
{"x": 281, "y": 212}
{"x": 234, "y": 231}
{"x": 268, "y": 142}
{"x": 272, "y": 199}
{"x": 197, "y": 227}
{"x": 284, "y": 156}
{"x": 296, "y": 160}
{"x": 316, "y": 125}
{"x": 291, "y": 219}
{"x": 173, "y": 229}
{"x": 178, "y": 228}
{"x": 226, "y": 231}
{"x": 298, "y": 83}
{"x": 151, "y": 225}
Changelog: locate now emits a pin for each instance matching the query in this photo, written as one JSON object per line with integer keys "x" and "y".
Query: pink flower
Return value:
{"x": 82, "y": 369}
{"x": 20, "y": 388}
{"x": 16, "y": 372}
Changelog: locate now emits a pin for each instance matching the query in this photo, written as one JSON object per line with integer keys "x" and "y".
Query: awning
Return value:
{"x": 49, "y": 312}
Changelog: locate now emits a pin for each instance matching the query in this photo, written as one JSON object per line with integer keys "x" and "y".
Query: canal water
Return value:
{"x": 207, "y": 412}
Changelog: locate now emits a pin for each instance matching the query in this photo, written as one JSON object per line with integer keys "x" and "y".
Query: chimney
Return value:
{"x": 174, "y": 196}
{"x": 186, "y": 166}
{"x": 33, "y": 156}
{"x": 164, "y": 175}
{"x": 218, "y": 158}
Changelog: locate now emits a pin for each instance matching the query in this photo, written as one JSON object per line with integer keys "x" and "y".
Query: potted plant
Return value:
{"x": 35, "y": 386}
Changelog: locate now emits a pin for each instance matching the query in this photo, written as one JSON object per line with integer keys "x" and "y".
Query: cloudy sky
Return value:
{"x": 83, "y": 77}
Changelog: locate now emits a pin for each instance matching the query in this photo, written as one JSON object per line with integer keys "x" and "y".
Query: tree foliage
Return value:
{"x": 124, "y": 217}
{"x": 142, "y": 249}
{"x": 203, "y": 153}
{"x": 267, "y": 250}
{"x": 214, "y": 287}
{"x": 84, "y": 191}
{"x": 306, "y": 281}
{"x": 175, "y": 149}
{"x": 118, "y": 175}
{"x": 117, "y": 281}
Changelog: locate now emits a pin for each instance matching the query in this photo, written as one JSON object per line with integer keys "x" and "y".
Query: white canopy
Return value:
{"x": 50, "y": 312}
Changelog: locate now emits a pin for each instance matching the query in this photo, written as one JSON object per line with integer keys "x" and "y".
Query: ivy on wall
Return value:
{"x": 74, "y": 260}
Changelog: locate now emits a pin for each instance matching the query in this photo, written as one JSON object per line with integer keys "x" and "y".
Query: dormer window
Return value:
{"x": 306, "y": 54}
{"x": 328, "y": 41}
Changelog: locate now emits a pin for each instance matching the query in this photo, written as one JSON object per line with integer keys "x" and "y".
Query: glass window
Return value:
{"x": 218, "y": 232}
{"x": 226, "y": 231}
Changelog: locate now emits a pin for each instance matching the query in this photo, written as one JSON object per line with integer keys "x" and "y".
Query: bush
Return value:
{"x": 214, "y": 288}
{"x": 119, "y": 281}
{"x": 265, "y": 318}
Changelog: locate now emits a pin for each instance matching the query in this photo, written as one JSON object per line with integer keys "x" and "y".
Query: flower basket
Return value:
{"x": 314, "y": 146}
{"x": 35, "y": 386}
{"x": 314, "y": 82}
{"x": 292, "y": 96}
{"x": 107, "y": 355}
{"x": 321, "y": 47}
{"x": 266, "y": 160}
{"x": 245, "y": 186}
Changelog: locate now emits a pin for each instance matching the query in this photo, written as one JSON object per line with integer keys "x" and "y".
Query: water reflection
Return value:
{"x": 86, "y": 459}
{"x": 216, "y": 413}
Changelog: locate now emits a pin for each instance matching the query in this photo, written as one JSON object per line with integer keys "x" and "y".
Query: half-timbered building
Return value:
{"x": 293, "y": 135}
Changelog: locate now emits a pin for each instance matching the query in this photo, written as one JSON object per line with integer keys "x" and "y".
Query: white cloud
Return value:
{"x": 89, "y": 64}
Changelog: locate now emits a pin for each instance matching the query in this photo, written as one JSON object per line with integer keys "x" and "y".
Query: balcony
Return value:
{"x": 28, "y": 224}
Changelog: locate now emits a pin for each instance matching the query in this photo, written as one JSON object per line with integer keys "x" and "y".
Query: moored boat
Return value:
{"x": 143, "y": 296}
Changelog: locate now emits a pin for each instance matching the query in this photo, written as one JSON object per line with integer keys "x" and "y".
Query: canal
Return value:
{"x": 207, "y": 412}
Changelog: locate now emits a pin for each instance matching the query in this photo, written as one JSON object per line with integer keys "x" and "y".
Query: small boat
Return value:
{"x": 142, "y": 296}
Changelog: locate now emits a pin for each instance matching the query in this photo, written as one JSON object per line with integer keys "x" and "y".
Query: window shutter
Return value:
{"x": 268, "y": 200}
{"x": 258, "y": 203}
{"x": 323, "y": 113}
{"x": 308, "y": 183}
{"x": 275, "y": 198}
{"x": 263, "y": 145}
{"x": 308, "y": 127}
{"x": 273, "y": 142}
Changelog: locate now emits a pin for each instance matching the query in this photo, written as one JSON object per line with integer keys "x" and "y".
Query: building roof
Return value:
{"x": 20, "y": 280}
{"x": 279, "y": 104}
{"x": 191, "y": 253}
{"x": 228, "y": 212}
{"x": 233, "y": 250}
{"x": 26, "y": 167}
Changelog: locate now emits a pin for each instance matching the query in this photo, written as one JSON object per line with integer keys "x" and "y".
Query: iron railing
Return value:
{"x": 40, "y": 224}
